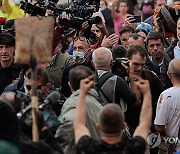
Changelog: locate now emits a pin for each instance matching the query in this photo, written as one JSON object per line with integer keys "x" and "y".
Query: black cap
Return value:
{"x": 7, "y": 39}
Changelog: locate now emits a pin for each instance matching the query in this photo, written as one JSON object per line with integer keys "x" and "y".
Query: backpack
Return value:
{"x": 100, "y": 82}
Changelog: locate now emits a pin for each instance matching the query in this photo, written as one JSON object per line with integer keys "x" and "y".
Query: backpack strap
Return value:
{"x": 103, "y": 79}
{"x": 100, "y": 82}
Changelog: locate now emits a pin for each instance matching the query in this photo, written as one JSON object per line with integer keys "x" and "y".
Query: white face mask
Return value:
{"x": 78, "y": 56}
{"x": 17, "y": 2}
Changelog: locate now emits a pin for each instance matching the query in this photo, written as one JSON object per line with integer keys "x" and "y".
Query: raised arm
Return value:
{"x": 80, "y": 128}
{"x": 113, "y": 11}
{"x": 146, "y": 110}
{"x": 101, "y": 25}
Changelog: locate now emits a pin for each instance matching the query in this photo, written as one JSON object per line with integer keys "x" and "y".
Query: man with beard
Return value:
{"x": 155, "y": 47}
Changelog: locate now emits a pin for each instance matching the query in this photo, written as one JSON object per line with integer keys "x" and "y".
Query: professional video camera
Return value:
{"x": 8, "y": 27}
{"x": 50, "y": 109}
{"x": 117, "y": 67}
{"x": 78, "y": 11}
{"x": 38, "y": 8}
{"x": 79, "y": 8}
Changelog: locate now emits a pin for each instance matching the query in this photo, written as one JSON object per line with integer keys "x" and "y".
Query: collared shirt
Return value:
{"x": 101, "y": 72}
{"x": 177, "y": 52}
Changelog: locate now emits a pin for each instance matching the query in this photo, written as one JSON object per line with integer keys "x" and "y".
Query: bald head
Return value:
{"x": 174, "y": 68}
{"x": 102, "y": 57}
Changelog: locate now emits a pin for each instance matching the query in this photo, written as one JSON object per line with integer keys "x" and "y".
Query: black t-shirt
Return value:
{"x": 88, "y": 145}
{"x": 7, "y": 75}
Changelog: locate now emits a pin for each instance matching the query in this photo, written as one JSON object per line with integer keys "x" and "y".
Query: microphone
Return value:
{"x": 51, "y": 99}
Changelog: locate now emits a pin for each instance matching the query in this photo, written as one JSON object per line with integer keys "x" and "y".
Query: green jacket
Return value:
{"x": 65, "y": 132}
{"x": 60, "y": 62}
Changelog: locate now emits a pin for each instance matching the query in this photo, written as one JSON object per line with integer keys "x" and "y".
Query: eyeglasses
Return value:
{"x": 135, "y": 64}
{"x": 29, "y": 87}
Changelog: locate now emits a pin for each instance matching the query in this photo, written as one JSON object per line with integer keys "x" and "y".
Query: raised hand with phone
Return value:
{"x": 132, "y": 19}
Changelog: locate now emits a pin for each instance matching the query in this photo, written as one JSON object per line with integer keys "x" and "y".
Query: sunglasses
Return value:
{"x": 29, "y": 87}
{"x": 81, "y": 38}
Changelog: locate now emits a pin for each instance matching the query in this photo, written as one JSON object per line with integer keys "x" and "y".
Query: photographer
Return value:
{"x": 99, "y": 29}
{"x": 110, "y": 87}
{"x": 11, "y": 131}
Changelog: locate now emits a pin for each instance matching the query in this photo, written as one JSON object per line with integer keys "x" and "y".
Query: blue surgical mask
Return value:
{"x": 78, "y": 56}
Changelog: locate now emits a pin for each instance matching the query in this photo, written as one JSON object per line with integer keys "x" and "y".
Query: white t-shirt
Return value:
{"x": 168, "y": 111}
{"x": 177, "y": 52}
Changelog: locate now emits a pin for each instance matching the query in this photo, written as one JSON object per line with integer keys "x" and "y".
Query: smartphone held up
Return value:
{"x": 133, "y": 18}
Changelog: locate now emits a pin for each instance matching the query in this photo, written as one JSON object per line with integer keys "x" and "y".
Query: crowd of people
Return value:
{"x": 107, "y": 90}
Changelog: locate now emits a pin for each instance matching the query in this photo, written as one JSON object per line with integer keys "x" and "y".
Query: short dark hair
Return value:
{"x": 126, "y": 29}
{"x": 136, "y": 36}
{"x": 118, "y": 51}
{"x": 105, "y": 2}
{"x": 77, "y": 74}
{"x": 155, "y": 36}
{"x": 41, "y": 75}
{"x": 123, "y": 1}
{"x": 111, "y": 119}
{"x": 136, "y": 49}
